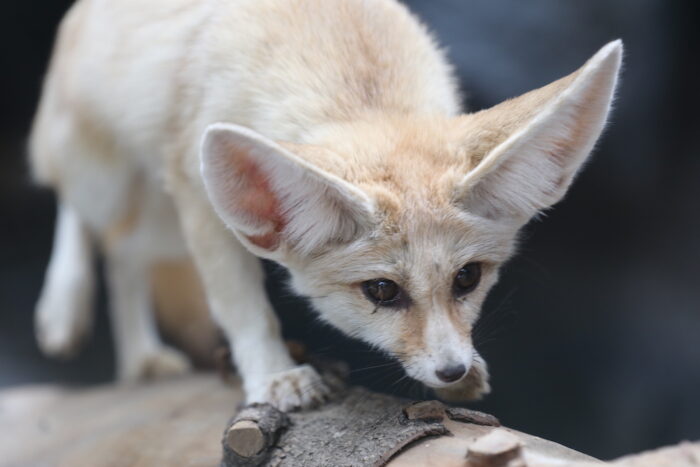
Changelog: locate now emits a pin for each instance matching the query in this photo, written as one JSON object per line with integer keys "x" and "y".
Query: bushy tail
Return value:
{"x": 63, "y": 316}
{"x": 64, "y": 312}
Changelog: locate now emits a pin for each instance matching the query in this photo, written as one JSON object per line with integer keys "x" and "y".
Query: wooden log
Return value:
{"x": 358, "y": 428}
{"x": 361, "y": 428}
{"x": 179, "y": 423}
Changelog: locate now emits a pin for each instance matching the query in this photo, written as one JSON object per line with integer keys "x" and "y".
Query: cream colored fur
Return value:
{"x": 333, "y": 144}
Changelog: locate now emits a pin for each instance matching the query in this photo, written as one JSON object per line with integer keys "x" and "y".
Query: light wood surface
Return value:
{"x": 168, "y": 423}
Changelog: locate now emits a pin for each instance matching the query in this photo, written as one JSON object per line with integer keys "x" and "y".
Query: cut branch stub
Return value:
{"x": 251, "y": 434}
{"x": 245, "y": 438}
{"x": 499, "y": 448}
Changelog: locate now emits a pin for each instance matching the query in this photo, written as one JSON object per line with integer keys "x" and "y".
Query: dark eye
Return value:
{"x": 384, "y": 292}
{"x": 467, "y": 279}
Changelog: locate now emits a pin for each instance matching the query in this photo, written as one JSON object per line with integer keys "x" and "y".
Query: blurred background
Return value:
{"x": 593, "y": 334}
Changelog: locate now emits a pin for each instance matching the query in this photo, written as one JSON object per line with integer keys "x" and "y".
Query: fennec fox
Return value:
{"x": 325, "y": 135}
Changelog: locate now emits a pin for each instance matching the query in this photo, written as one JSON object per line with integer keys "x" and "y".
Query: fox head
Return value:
{"x": 395, "y": 226}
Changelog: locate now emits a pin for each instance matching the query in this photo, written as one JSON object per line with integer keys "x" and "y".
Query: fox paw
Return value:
{"x": 298, "y": 388}
{"x": 62, "y": 322}
{"x": 474, "y": 386}
{"x": 163, "y": 363}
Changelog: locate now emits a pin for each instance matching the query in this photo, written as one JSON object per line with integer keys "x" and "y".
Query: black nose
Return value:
{"x": 451, "y": 374}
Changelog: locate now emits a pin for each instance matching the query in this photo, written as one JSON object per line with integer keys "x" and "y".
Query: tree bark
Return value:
{"x": 357, "y": 428}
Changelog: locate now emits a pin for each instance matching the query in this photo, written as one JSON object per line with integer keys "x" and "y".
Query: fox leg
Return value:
{"x": 146, "y": 232}
{"x": 234, "y": 284}
{"x": 140, "y": 353}
{"x": 63, "y": 313}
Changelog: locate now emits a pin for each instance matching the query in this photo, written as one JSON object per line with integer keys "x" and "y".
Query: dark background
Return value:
{"x": 593, "y": 334}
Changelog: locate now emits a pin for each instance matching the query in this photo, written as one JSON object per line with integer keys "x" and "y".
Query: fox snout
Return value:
{"x": 438, "y": 371}
{"x": 456, "y": 374}
{"x": 446, "y": 354}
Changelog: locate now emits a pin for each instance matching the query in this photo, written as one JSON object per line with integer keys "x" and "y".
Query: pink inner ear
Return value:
{"x": 255, "y": 199}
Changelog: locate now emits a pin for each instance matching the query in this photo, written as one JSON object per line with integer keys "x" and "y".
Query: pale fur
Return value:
{"x": 342, "y": 156}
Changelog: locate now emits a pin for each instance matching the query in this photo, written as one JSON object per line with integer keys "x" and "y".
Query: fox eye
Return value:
{"x": 466, "y": 279}
{"x": 384, "y": 292}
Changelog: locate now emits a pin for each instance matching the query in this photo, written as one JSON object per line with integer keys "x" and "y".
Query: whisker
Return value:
{"x": 493, "y": 322}
{"x": 367, "y": 368}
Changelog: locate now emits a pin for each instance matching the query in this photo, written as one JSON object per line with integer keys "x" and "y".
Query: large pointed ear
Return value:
{"x": 539, "y": 141}
{"x": 273, "y": 199}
